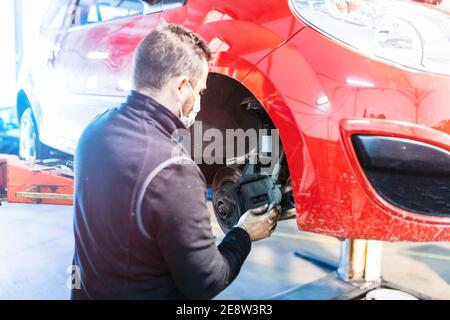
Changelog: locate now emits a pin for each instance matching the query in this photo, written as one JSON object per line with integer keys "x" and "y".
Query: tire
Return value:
{"x": 30, "y": 148}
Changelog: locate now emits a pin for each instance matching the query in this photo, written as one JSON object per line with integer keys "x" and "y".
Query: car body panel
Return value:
{"x": 317, "y": 92}
{"x": 239, "y": 33}
{"x": 99, "y": 69}
{"x": 332, "y": 197}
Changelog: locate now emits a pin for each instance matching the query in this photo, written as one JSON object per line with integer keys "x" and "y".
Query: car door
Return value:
{"x": 96, "y": 55}
{"x": 38, "y": 76}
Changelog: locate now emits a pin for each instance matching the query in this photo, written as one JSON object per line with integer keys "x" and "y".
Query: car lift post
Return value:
{"x": 360, "y": 261}
{"x": 358, "y": 273}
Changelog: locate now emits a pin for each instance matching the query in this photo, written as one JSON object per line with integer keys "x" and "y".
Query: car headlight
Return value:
{"x": 400, "y": 31}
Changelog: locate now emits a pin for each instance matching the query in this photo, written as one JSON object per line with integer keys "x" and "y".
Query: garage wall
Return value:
{"x": 20, "y": 22}
{"x": 32, "y": 13}
{"x": 7, "y": 53}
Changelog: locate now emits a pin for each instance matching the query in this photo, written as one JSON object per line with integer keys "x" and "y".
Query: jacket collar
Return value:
{"x": 168, "y": 121}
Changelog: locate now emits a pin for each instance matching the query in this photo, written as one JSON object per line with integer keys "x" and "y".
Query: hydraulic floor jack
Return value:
{"x": 44, "y": 183}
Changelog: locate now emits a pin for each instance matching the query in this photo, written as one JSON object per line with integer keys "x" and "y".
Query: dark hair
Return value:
{"x": 168, "y": 51}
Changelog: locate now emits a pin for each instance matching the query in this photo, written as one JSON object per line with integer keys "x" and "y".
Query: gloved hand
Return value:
{"x": 259, "y": 223}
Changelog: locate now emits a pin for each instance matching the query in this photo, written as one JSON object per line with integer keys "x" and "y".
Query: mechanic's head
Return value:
{"x": 171, "y": 66}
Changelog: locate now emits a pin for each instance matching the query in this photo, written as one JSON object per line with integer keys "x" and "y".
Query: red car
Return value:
{"x": 358, "y": 90}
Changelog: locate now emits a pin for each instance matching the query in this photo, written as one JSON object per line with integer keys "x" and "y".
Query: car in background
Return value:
{"x": 357, "y": 90}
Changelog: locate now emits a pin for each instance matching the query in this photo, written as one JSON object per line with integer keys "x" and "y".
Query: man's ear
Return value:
{"x": 180, "y": 83}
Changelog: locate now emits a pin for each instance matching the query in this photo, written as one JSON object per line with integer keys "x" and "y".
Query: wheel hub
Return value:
{"x": 225, "y": 200}
{"x": 27, "y": 140}
{"x": 234, "y": 193}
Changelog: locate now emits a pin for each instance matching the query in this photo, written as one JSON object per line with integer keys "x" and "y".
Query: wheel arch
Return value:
{"x": 281, "y": 114}
{"x": 274, "y": 107}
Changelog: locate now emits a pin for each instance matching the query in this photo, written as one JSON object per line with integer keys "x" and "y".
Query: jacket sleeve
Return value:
{"x": 174, "y": 210}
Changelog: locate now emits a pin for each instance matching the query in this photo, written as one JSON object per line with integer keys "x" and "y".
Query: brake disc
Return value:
{"x": 234, "y": 193}
{"x": 226, "y": 202}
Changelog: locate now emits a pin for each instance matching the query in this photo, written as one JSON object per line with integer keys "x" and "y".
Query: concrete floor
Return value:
{"x": 36, "y": 246}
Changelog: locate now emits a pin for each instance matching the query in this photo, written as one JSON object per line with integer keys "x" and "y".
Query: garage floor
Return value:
{"x": 36, "y": 246}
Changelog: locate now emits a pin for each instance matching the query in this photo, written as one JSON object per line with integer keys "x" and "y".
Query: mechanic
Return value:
{"x": 142, "y": 227}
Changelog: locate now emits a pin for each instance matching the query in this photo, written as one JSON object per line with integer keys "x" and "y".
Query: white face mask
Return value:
{"x": 190, "y": 119}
